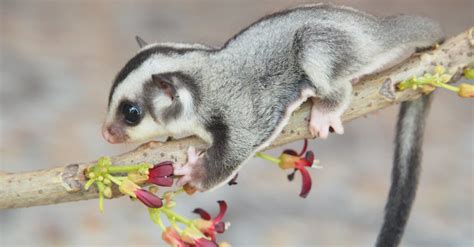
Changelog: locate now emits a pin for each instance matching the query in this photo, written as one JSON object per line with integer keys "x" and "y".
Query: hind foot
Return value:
{"x": 323, "y": 121}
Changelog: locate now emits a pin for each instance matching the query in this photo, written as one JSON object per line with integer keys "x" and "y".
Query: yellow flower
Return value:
{"x": 138, "y": 178}
{"x": 439, "y": 69}
{"x": 466, "y": 90}
{"x": 128, "y": 188}
{"x": 426, "y": 89}
{"x": 469, "y": 73}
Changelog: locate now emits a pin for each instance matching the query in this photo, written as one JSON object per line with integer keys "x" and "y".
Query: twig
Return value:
{"x": 65, "y": 184}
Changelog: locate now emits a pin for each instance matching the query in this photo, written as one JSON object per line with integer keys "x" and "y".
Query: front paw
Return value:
{"x": 193, "y": 172}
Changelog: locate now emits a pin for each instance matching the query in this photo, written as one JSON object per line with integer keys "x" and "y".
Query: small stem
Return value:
{"x": 114, "y": 179}
{"x": 449, "y": 87}
{"x": 101, "y": 202}
{"x": 155, "y": 215}
{"x": 179, "y": 191}
{"x": 172, "y": 215}
{"x": 100, "y": 188}
{"x": 268, "y": 157}
{"x": 125, "y": 169}
{"x": 172, "y": 220}
{"x": 160, "y": 223}
{"x": 89, "y": 183}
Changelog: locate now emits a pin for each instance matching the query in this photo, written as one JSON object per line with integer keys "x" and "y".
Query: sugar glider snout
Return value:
{"x": 113, "y": 134}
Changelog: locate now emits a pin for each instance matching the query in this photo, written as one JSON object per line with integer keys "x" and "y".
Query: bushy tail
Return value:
{"x": 405, "y": 171}
{"x": 415, "y": 31}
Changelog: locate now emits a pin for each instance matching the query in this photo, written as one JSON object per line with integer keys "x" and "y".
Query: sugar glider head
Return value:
{"x": 152, "y": 96}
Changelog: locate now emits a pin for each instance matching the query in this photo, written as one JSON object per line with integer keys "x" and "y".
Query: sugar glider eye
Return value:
{"x": 132, "y": 113}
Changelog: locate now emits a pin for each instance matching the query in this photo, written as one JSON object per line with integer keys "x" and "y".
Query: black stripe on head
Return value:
{"x": 141, "y": 57}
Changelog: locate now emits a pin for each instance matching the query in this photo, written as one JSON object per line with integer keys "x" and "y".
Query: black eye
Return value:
{"x": 132, "y": 113}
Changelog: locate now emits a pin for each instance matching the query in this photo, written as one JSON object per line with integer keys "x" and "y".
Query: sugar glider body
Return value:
{"x": 239, "y": 97}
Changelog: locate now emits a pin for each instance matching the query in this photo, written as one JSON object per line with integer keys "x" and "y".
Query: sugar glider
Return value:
{"x": 238, "y": 97}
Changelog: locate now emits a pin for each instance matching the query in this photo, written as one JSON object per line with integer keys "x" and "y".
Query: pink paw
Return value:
{"x": 190, "y": 172}
{"x": 321, "y": 122}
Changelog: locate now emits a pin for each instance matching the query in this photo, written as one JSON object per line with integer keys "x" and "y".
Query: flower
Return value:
{"x": 291, "y": 159}
{"x": 466, "y": 90}
{"x": 172, "y": 237}
{"x": 189, "y": 189}
{"x": 210, "y": 227}
{"x": 193, "y": 237}
{"x": 161, "y": 174}
{"x": 469, "y": 73}
{"x": 202, "y": 242}
{"x": 146, "y": 197}
{"x": 149, "y": 199}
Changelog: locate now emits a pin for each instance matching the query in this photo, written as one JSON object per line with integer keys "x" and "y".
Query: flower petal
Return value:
{"x": 290, "y": 152}
{"x": 172, "y": 237}
{"x": 222, "y": 210}
{"x": 291, "y": 176}
{"x": 305, "y": 146}
{"x": 161, "y": 181}
{"x": 309, "y": 157}
{"x": 161, "y": 169}
{"x": 203, "y": 213}
{"x": 219, "y": 227}
{"x": 306, "y": 183}
{"x": 202, "y": 242}
{"x": 149, "y": 199}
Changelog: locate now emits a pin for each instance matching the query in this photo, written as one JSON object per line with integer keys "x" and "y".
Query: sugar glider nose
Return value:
{"x": 113, "y": 134}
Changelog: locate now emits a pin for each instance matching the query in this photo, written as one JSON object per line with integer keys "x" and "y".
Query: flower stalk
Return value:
{"x": 130, "y": 179}
{"x": 429, "y": 82}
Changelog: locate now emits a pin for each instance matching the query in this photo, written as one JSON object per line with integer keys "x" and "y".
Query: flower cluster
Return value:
{"x": 429, "y": 82}
{"x": 290, "y": 159}
{"x": 104, "y": 174}
{"x": 198, "y": 232}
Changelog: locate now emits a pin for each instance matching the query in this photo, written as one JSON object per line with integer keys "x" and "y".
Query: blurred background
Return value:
{"x": 58, "y": 59}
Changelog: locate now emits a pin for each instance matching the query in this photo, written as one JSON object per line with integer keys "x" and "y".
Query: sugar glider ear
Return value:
{"x": 166, "y": 84}
{"x": 140, "y": 41}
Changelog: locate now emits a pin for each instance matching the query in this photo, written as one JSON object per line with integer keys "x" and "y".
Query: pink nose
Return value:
{"x": 113, "y": 134}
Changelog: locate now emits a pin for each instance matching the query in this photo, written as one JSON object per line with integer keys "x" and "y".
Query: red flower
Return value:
{"x": 210, "y": 227}
{"x": 171, "y": 236}
{"x": 146, "y": 197}
{"x": 161, "y": 174}
{"x": 149, "y": 199}
{"x": 202, "y": 242}
{"x": 292, "y": 159}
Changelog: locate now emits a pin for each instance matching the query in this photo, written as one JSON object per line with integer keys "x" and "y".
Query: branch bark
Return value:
{"x": 65, "y": 184}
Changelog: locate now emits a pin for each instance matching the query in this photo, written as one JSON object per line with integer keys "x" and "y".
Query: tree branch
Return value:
{"x": 65, "y": 184}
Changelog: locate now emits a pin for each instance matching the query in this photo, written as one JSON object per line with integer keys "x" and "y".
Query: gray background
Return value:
{"x": 58, "y": 59}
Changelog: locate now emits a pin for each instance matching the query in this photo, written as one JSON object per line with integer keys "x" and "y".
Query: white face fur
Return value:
{"x": 132, "y": 89}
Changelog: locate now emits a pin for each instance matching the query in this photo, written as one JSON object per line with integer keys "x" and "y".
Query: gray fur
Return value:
{"x": 406, "y": 170}
{"x": 242, "y": 90}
